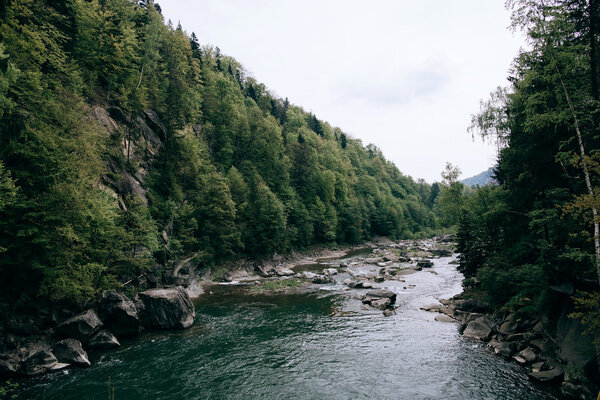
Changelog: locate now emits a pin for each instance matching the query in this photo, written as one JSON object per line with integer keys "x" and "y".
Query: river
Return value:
{"x": 318, "y": 345}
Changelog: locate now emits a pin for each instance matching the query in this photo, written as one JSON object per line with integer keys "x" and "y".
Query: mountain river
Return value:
{"x": 323, "y": 344}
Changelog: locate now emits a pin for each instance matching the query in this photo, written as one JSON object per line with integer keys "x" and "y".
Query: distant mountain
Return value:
{"x": 481, "y": 179}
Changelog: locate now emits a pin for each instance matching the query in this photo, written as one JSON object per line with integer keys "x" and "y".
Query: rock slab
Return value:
{"x": 119, "y": 314}
{"x": 71, "y": 351}
{"x": 168, "y": 308}
{"x": 81, "y": 326}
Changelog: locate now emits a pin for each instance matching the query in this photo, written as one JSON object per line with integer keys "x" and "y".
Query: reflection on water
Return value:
{"x": 310, "y": 346}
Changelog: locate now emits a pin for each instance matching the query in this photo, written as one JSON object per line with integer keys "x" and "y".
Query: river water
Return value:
{"x": 320, "y": 345}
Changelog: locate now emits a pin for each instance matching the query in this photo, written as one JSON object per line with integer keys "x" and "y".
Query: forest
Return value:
{"x": 531, "y": 242}
{"x": 126, "y": 145}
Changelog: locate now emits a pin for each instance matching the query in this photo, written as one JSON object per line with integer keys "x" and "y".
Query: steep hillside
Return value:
{"x": 126, "y": 146}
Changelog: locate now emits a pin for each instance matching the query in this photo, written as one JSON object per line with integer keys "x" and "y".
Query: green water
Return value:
{"x": 322, "y": 345}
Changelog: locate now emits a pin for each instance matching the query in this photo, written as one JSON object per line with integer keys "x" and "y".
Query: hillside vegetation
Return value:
{"x": 532, "y": 242}
{"x": 125, "y": 146}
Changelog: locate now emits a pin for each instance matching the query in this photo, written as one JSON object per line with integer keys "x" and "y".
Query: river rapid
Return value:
{"x": 323, "y": 344}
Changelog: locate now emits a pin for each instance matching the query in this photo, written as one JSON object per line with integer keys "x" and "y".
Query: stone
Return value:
{"x": 168, "y": 308}
{"x": 343, "y": 265}
{"x": 81, "y": 326}
{"x": 538, "y": 366}
{"x": 119, "y": 314}
{"x": 528, "y": 354}
{"x": 308, "y": 275}
{"x": 519, "y": 337}
{"x": 551, "y": 375}
{"x": 388, "y": 312}
{"x": 71, "y": 351}
{"x": 329, "y": 271}
{"x": 573, "y": 391}
{"x": 433, "y": 308}
{"x": 479, "y": 328}
{"x": 282, "y": 271}
{"x": 472, "y": 305}
{"x": 381, "y": 304}
{"x": 9, "y": 366}
{"x": 322, "y": 279}
{"x": 382, "y": 294}
{"x": 103, "y": 340}
{"x": 425, "y": 264}
{"x": 520, "y": 360}
{"x": 510, "y": 325}
{"x": 444, "y": 318}
{"x": 503, "y": 349}
{"x": 227, "y": 277}
{"x": 39, "y": 363}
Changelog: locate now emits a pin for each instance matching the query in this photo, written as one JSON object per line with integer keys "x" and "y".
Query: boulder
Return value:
{"x": 388, "y": 312}
{"x": 472, "y": 305}
{"x": 551, "y": 375}
{"x": 528, "y": 354}
{"x": 39, "y": 363}
{"x": 444, "y": 318}
{"x": 538, "y": 366}
{"x": 70, "y": 351}
{"x": 81, "y": 326}
{"x": 425, "y": 264}
{"x": 282, "y": 271}
{"x": 520, "y": 359}
{"x": 329, "y": 271}
{"x": 510, "y": 325}
{"x": 119, "y": 314}
{"x": 103, "y": 340}
{"x": 381, "y": 304}
{"x": 479, "y": 328}
{"x": 168, "y": 308}
{"x": 503, "y": 349}
{"x": 343, "y": 265}
{"x": 322, "y": 279}
{"x": 308, "y": 275}
{"x": 9, "y": 366}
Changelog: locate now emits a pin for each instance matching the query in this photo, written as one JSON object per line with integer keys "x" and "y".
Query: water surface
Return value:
{"x": 323, "y": 345}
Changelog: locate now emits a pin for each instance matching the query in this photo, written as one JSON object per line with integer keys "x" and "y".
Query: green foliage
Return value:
{"x": 533, "y": 230}
{"x": 587, "y": 309}
{"x": 226, "y": 168}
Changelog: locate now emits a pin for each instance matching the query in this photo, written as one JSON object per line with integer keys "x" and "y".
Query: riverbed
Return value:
{"x": 321, "y": 344}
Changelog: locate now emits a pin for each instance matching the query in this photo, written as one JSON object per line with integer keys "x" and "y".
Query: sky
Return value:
{"x": 403, "y": 75}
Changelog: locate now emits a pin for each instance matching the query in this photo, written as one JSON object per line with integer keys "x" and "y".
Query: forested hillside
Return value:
{"x": 125, "y": 145}
{"x": 532, "y": 241}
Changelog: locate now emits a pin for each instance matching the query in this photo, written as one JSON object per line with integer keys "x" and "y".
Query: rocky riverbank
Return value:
{"x": 558, "y": 354}
{"x": 50, "y": 339}
{"x": 116, "y": 316}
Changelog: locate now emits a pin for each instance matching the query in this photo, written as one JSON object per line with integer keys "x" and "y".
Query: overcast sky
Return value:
{"x": 404, "y": 75}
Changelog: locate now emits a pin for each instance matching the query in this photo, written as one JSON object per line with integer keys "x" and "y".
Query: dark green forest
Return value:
{"x": 126, "y": 145}
{"x": 530, "y": 243}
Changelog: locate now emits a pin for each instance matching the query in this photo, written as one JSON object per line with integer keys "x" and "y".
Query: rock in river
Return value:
{"x": 81, "y": 326}
{"x": 40, "y": 362}
{"x": 70, "y": 351}
{"x": 551, "y": 375}
{"x": 103, "y": 340}
{"x": 119, "y": 314}
{"x": 168, "y": 308}
{"x": 479, "y": 328}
